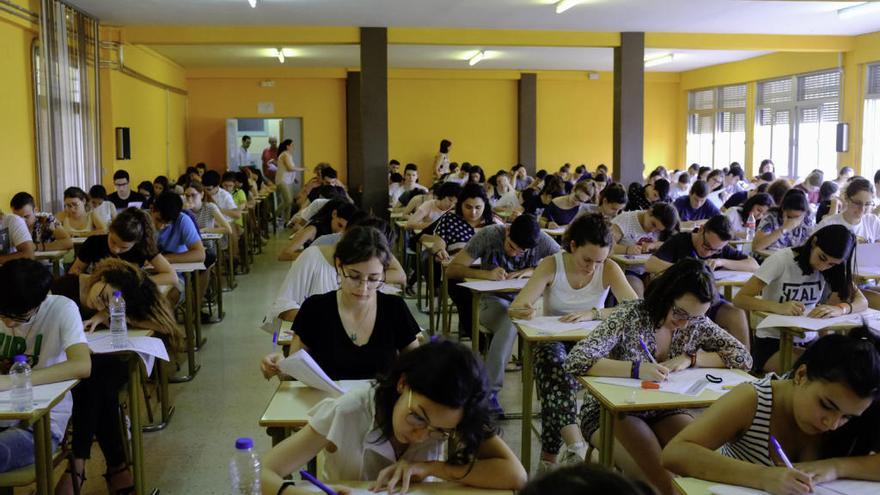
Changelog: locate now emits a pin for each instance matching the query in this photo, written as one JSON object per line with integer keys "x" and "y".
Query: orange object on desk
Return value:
{"x": 651, "y": 385}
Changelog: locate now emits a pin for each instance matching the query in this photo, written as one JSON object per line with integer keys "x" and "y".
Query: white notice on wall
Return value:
{"x": 265, "y": 107}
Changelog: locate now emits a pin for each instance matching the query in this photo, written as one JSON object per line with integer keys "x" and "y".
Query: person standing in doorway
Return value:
{"x": 241, "y": 157}
{"x": 441, "y": 161}
{"x": 270, "y": 158}
{"x": 286, "y": 177}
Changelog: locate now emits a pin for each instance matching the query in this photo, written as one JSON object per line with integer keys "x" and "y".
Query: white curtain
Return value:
{"x": 66, "y": 81}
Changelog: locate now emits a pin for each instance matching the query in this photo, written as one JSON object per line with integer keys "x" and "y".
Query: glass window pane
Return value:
{"x": 871, "y": 138}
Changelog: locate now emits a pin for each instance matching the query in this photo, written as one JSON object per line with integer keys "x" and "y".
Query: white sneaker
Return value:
{"x": 572, "y": 454}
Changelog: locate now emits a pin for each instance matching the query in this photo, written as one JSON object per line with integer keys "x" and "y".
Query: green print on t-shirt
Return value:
{"x": 11, "y": 346}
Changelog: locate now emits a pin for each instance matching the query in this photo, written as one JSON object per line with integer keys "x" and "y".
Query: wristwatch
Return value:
{"x": 596, "y": 314}
{"x": 284, "y": 486}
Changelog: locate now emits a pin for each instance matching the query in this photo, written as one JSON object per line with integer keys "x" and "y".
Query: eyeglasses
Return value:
{"x": 708, "y": 247}
{"x": 863, "y": 206}
{"x": 679, "y": 314}
{"x": 416, "y": 420}
{"x": 123, "y": 184}
{"x": 369, "y": 283}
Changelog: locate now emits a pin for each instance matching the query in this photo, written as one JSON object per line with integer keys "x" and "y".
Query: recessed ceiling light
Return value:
{"x": 253, "y": 3}
{"x": 655, "y": 60}
{"x": 280, "y": 54}
{"x": 859, "y": 9}
{"x": 480, "y": 55}
{"x": 564, "y": 5}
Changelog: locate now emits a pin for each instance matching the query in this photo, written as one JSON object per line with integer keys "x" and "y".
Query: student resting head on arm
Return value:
{"x": 833, "y": 383}
{"x": 672, "y": 324}
{"x": 786, "y": 225}
{"x": 395, "y": 431}
{"x": 793, "y": 282}
{"x": 585, "y": 479}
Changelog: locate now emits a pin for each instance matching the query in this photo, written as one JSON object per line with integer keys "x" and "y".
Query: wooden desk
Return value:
{"x": 47, "y": 396}
{"x": 726, "y": 280}
{"x": 430, "y": 488}
{"x": 557, "y": 232}
{"x": 475, "y": 309}
{"x": 787, "y": 335}
{"x": 217, "y": 278}
{"x": 693, "y": 486}
{"x": 615, "y": 399}
{"x": 529, "y": 336}
{"x": 192, "y": 315}
{"x": 285, "y": 337}
{"x": 53, "y": 257}
{"x": 628, "y": 260}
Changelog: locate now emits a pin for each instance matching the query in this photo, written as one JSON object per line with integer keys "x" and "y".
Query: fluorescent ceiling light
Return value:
{"x": 280, "y": 54}
{"x": 253, "y": 3}
{"x": 480, "y": 55}
{"x": 564, "y": 5}
{"x": 656, "y": 60}
{"x": 859, "y": 9}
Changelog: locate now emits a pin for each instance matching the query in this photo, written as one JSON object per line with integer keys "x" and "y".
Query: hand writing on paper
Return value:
{"x": 790, "y": 308}
{"x": 784, "y": 481}
{"x": 677, "y": 363}
{"x": 442, "y": 255}
{"x": 526, "y": 312}
{"x": 577, "y": 316}
{"x": 524, "y": 273}
{"x": 99, "y": 318}
{"x": 497, "y": 273}
{"x": 551, "y": 225}
{"x": 825, "y": 311}
{"x": 269, "y": 364}
{"x": 653, "y": 372}
{"x": 400, "y": 474}
{"x": 821, "y": 471}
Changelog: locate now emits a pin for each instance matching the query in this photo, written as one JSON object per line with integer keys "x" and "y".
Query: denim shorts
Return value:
{"x": 17, "y": 448}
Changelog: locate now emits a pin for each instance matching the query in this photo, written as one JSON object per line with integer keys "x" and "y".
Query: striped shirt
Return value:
{"x": 754, "y": 445}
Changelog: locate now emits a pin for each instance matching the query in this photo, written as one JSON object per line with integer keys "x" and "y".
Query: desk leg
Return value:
{"x": 475, "y": 322}
{"x": 728, "y": 292}
{"x": 218, "y": 288}
{"x": 445, "y": 308}
{"x": 197, "y": 310}
{"x": 418, "y": 257}
{"x": 165, "y": 406}
{"x": 56, "y": 267}
{"x": 430, "y": 291}
{"x": 528, "y": 383}
{"x": 189, "y": 326}
{"x": 43, "y": 454}
{"x": 230, "y": 265}
{"x": 786, "y": 342}
{"x": 134, "y": 411}
{"x": 606, "y": 437}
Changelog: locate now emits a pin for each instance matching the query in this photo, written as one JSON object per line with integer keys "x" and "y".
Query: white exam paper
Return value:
{"x": 807, "y": 323}
{"x": 301, "y": 366}
{"x": 495, "y": 285}
{"x": 148, "y": 348}
{"x": 548, "y": 325}
{"x": 680, "y": 381}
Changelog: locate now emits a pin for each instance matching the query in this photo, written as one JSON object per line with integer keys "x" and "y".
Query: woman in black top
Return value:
{"x": 355, "y": 332}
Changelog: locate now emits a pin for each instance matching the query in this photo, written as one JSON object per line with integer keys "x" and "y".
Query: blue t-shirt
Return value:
{"x": 686, "y": 213}
{"x": 176, "y": 237}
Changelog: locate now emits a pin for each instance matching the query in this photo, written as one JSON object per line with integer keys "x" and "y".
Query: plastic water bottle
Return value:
{"x": 750, "y": 227}
{"x": 244, "y": 469}
{"x": 22, "y": 393}
{"x": 118, "y": 327}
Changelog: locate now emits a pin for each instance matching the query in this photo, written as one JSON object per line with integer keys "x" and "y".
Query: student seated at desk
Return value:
{"x": 672, "y": 324}
{"x": 504, "y": 253}
{"x": 808, "y": 412}
{"x": 793, "y": 281}
{"x": 642, "y": 197}
{"x": 696, "y": 206}
{"x": 641, "y": 232}
{"x": 445, "y": 197}
{"x": 177, "y": 236}
{"x": 585, "y": 479}
{"x": 46, "y": 232}
{"x": 535, "y": 200}
{"x": 332, "y": 218}
{"x": 562, "y": 210}
{"x": 756, "y": 206}
{"x": 356, "y": 331}
{"x": 131, "y": 238}
{"x": 786, "y": 225}
{"x": 612, "y": 200}
{"x": 96, "y": 399}
{"x": 305, "y": 214}
{"x": 574, "y": 283}
{"x": 455, "y": 228}
{"x": 710, "y": 245}
{"x": 104, "y": 209}
{"x": 48, "y": 331}
{"x": 856, "y": 214}
{"x": 15, "y": 238}
{"x": 78, "y": 221}
{"x": 124, "y": 197}
{"x": 395, "y": 432}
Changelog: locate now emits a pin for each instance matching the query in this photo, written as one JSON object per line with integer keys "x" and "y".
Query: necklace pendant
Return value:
{"x": 353, "y": 336}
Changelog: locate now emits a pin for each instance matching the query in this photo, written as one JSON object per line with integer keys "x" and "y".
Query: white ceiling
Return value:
{"x": 437, "y": 57}
{"x": 705, "y": 16}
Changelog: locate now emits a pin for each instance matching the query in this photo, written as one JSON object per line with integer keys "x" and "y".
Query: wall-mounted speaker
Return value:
{"x": 123, "y": 143}
{"x": 842, "y": 137}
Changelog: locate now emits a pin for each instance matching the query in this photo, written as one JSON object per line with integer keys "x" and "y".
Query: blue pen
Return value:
{"x": 315, "y": 481}
{"x": 274, "y": 341}
{"x": 779, "y": 452}
{"x": 648, "y": 352}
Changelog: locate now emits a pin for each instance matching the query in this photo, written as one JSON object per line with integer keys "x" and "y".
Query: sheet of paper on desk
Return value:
{"x": 680, "y": 381}
{"x": 807, "y": 323}
{"x": 549, "y": 325}
{"x": 731, "y": 275}
{"x": 838, "y": 487}
{"x": 495, "y": 285}
{"x": 148, "y": 348}
{"x": 302, "y": 366}
{"x": 43, "y": 394}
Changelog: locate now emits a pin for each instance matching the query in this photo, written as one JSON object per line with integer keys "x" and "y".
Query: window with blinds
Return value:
{"x": 732, "y": 96}
{"x": 703, "y": 100}
{"x": 871, "y": 123}
{"x": 776, "y": 91}
{"x": 873, "y": 81}
{"x": 819, "y": 86}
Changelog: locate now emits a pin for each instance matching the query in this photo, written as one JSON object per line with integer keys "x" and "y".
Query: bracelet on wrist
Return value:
{"x": 693, "y": 359}
{"x": 284, "y": 486}
{"x": 597, "y": 315}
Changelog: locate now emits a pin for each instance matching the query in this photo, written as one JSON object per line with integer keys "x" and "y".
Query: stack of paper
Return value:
{"x": 680, "y": 382}
{"x": 731, "y": 276}
{"x": 148, "y": 348}
{"x": 301, "y": 366}
{"x": 495, "y": 285}
{"x": 550, "y": 325}
{"x": 807, "y": 323}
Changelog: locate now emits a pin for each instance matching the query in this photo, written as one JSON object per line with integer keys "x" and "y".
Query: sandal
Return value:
{"x": 128, "y": 490}
{"x": 77, "y": 480}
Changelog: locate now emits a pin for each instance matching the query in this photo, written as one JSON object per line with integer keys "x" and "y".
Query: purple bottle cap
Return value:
{"x": 244, "y": 444}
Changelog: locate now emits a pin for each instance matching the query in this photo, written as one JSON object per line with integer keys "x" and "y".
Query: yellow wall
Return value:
{"x": 479, "y": 116}
{"x": 216, "y": 96}
{"x": 17, "y": 109}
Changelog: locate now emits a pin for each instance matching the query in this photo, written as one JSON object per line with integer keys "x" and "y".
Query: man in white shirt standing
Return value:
{"x": 241, "y": 157}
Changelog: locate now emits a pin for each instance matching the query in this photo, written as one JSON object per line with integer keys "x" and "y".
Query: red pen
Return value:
{"x": 650, "y": 385}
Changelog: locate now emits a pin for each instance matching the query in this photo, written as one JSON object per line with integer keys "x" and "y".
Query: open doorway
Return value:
{"x": 260, "y": 130}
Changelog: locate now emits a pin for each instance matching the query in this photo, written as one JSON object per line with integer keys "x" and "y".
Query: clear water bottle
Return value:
{"x": 22, "y": 393}
{"x": 244, "y": 469}
{"x": 118, "y": 327}
{"x": 750, "y": 227}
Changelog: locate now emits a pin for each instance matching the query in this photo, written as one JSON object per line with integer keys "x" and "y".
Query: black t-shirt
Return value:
{"x": 736, "y": 199}
{"x": 96, "y": 249}
{"x": 320, "y": 328}
{"x": 121, "y": 204}
{"x": 680, "y": 246}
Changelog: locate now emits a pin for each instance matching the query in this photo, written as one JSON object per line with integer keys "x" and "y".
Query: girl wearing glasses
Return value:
{"x": 354, "y": 332}
{"x": 671, "y": 323}
{"x": 857, "y": 215}
{"x": 76, "y": 219}
{"x": 793, "y": 281}
{"x": 394, "y": 432}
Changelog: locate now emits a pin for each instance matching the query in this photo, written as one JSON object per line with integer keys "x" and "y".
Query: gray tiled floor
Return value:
{"x": 227, "y": 397}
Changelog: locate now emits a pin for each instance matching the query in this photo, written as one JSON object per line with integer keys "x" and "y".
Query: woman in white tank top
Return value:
{"x": 76, "y": 219}
{"x": 574, "y": 284}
